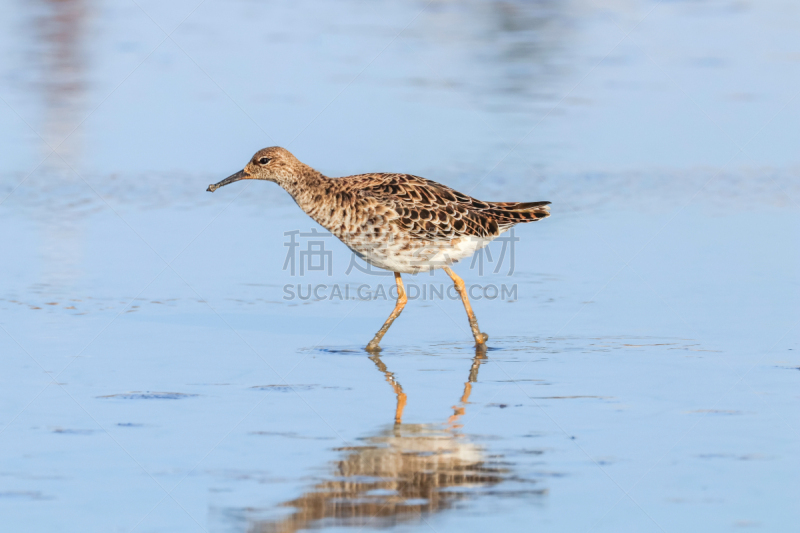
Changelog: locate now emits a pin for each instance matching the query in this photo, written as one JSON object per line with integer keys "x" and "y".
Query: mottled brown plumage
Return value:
{"x": 398, "y": 222}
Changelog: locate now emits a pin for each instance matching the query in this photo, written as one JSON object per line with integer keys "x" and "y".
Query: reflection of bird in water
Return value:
{"x": 397, "y": 222}
{"x": 62, "y": 26}
{"x": 403, "y": 473}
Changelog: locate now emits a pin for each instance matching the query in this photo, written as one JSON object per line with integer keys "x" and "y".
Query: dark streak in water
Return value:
{"x": 288, "y": 435}
{"x": 147, "y": 395}
{"x": 571, "y": 397}
{"x": 67, "y": 431}
{"x": 24, "y": 495}
{"x": 285, "y": 387}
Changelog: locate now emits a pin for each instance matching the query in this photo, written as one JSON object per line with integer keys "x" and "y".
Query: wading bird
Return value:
{"x": 398, "y": 222}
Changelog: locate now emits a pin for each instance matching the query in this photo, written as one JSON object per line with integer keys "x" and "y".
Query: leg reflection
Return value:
{"x": 396, "y": 474}
{"x": 460, "y": 409}
{"x": 398, "y": 389}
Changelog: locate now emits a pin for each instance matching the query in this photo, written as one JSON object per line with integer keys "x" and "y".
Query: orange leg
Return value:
{"x": 480, "y": 338}
{"x": 374, "y": 344}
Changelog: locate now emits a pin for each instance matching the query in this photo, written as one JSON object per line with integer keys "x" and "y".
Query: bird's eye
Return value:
{"x": 264, "y": 160}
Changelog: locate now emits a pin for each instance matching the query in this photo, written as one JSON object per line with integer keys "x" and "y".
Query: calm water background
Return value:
{"x": 645, "y": 379}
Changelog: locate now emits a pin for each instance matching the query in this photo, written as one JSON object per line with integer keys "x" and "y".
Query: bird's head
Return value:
{"x": 269, "y": 164}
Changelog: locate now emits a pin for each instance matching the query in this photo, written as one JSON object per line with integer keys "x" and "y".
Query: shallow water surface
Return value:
{"x": 167, "y": 367}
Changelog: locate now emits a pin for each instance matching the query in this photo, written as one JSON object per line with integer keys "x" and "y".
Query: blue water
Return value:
{"x": 642, "y": 376}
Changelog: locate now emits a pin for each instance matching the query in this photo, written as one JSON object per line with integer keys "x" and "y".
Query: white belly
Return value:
{"x": 411, "y": 257}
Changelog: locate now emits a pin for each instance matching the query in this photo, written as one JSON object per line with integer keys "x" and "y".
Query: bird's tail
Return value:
{"x": 516, "y": 212}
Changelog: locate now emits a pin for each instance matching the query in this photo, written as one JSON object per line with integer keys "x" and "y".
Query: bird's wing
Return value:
{"x": 426, "y": 209}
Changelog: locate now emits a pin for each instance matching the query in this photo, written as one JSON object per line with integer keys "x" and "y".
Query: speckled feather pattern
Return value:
{"x": 398, "y": 222}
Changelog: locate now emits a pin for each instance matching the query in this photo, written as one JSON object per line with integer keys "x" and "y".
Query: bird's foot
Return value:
{"x": 373, "y": 347}
{"x": 481, "y": 338}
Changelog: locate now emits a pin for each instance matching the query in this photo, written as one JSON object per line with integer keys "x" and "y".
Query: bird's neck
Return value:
{"x": 303, "y": 183}
{"x": 309, "y": 188}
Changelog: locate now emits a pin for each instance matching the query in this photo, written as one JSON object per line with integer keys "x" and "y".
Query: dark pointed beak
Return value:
{"x": 241, "y": 175}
